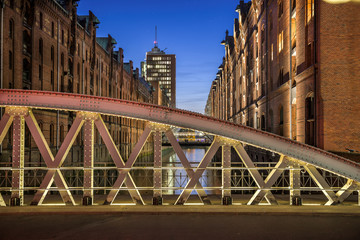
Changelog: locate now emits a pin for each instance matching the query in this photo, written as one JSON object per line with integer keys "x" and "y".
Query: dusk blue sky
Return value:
{"x": 191, "y": 29}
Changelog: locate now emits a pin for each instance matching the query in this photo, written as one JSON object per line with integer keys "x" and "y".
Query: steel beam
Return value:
{"x": 17, "y": 194}
{"x": 88, "y": 195}
{"x": 5, "y": 124}
{"x": 226, "y": 172}
{"x": 115, "y": 154}
{"x": 295, "y": 193}
{"x": 187, "y": 166}
{"x": 157, "y": 194}
{"x": 346, "y": 190}
{"x": 254, "y": 173}
{"x": 2, "y": 202}
{"x": 124, "y": 168}
{"x": 54, "y": 173}
{"x": 322, "y": 184}
{"x": 184, "y": 119}
{"x": 198, "y": 173}
{"x": 269, "y": 182}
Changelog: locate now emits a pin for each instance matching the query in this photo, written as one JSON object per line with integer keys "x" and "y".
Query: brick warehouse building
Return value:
{"x": 47, "y": 46}
{"x": 292, "y": 68}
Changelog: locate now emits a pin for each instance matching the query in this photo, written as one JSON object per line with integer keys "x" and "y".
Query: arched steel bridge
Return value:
{"x": 294, "y": 156}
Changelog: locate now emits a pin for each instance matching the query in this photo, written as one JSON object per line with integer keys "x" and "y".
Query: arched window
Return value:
{"x": 41, "y": 49}
{"x": 52, "y": 135}
{"x": 41, "y": 21}
{"x": 70, "y": 66}
{"x": 52, "y": 54}
{"x": 310, "y": 119}
{"x": 52, "y": 77}
{"x": 41, "y": 63}
{"x": 10, "y": 60}
{"x": 26, "y": 71}
{"x": 26, "y": 42}
{"x": 11, "y": 29}
{"x": 52, "y": 29}
{"x": 62, "y": 61}
{"x": 62, "y": 133}
{"x": 62, "y": 37}
{"x": 263, "y": 122}
{"x": 78, "y": 81}
{"x": 27, "y": 15}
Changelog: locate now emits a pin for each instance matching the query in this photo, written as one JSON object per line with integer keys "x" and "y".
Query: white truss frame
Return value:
{"x": 226, "y": 135}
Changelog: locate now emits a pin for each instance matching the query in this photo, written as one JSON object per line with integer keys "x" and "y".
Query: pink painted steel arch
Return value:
{"x": 184, "y": 119}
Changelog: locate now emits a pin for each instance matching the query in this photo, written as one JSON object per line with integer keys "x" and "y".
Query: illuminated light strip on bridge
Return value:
{"x": 294, "y": 151}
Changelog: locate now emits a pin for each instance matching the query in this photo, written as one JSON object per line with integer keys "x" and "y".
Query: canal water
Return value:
{"x": 175, "y": 176}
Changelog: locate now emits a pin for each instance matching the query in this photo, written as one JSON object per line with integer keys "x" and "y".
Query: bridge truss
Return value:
{"x": 295, "y": 158}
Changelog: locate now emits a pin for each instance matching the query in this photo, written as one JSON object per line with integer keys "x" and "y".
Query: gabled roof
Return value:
{"x": 103, "y": 42}
{"x": 83, "y": 21}
{"x": 244, "y": 9}
{"x": 127, "y": 67}
{"x": 146, "y": 84}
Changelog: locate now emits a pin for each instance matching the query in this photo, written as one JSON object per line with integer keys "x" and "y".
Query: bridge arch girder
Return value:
{"x": 184, "y": 119}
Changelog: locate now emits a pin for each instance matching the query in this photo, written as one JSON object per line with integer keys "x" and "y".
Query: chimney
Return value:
{"x": 121, "y": 55}
{"x": 131, "y": 66}
{"x": 137, "y": 73}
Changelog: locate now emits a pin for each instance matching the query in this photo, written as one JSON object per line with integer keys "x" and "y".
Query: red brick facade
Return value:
{"x": 47, "y": 46}
{"x": 320, "y": 105}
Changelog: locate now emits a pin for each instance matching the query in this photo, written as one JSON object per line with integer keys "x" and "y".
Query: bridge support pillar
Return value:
{"x": 295, "y": 194}
{"x": 226, "y": 175}
{"x": 157, "y": 194}
{"x": 88, "y": 161}
{"x": 17, "y": 194}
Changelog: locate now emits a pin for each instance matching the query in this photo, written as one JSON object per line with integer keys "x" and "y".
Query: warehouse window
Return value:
{"x": 52, "y": 29}
{"x": 52, "y": 135}
{"x": 41, "y": 21}
{"x": 11, "y": 28}
{"x": 309, "y": 9}
{"x": 280, "y": 8}
{"x": 281, "y": 121}
{"x": 281, "y": 41}
{"x": 310, "y": 119}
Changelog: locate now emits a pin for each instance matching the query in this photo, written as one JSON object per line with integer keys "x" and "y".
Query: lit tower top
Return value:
{"x": 155, "y": 42}
{"x": 156, "y": 48}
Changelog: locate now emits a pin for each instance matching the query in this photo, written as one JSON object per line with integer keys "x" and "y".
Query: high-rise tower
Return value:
{"x": 161, "y": 73}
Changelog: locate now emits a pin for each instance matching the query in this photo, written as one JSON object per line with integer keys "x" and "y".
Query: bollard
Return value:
{"x": 87, "y": 201}
{"x": 14, "y": 201}
{"x": 296, "y": 201}
{"x": 227, "y": 200}
{"x": 157, "y": 200}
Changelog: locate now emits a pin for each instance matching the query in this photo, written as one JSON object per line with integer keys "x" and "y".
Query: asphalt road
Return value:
{"x": 178, "y": 226}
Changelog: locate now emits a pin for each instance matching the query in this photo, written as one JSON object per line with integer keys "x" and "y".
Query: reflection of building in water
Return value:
{"x": 178, "y": 178}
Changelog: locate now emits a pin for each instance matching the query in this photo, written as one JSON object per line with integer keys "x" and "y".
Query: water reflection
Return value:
{"x": 177, "y": 178}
